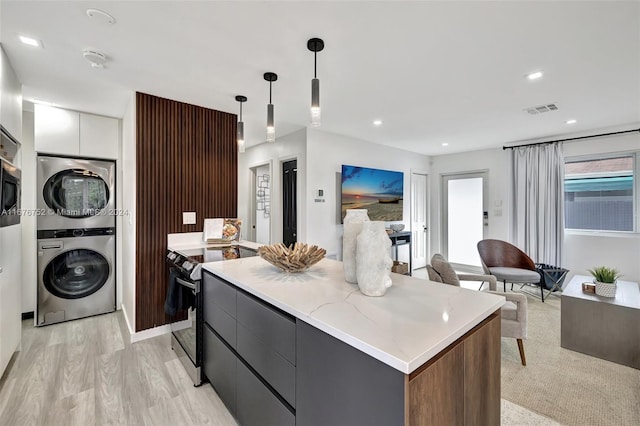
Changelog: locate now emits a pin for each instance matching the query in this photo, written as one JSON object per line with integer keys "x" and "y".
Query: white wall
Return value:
{"x": 327, "y": 152}
{"x": 29, "y": 226}
{"x": 496, "y": 162}
{"x": 262, "y": 222}
{"x": 283, "y": 149}
{"x": 582, "y": 250}
{"x": 127, "y": 242}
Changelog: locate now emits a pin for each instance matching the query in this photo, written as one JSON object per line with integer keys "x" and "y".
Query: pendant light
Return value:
{"x": 315, "y": 45}
{"x": 241, "y": 99}
{"x": 271, "y": 128}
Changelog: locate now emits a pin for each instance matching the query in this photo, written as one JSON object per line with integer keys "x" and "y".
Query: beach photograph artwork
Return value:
{"x": 378, "y": 191}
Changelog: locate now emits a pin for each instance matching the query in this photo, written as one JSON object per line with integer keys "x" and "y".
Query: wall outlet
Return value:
{"x": 188, "y": 218}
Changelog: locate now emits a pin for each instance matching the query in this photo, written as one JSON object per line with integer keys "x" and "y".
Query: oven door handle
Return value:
{"x": 192, "y": 286}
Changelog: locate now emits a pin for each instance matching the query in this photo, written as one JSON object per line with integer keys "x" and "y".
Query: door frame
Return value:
{"x": 427, "y": 211}
{"x": 252, "y": 199}
{"x": 444, "y": 241}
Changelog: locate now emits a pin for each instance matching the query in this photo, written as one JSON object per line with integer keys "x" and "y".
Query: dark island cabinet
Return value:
{"x": 271, "y": 369}
{"x": 249, "y": 355}
{"x": 220, "y": 367}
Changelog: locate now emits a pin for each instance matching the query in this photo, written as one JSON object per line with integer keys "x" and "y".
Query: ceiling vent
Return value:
{"x": 95, "y": 57}
{"x": 542, "y": 108}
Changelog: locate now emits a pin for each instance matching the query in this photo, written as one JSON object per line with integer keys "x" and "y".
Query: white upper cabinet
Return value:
{"x": 56, "y": 130}
{"x": 63, "y": 132}
{"x": 99, "y": 136}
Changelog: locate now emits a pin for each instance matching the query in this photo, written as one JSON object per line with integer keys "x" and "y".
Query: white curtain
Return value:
{"x": 538, "y": 201}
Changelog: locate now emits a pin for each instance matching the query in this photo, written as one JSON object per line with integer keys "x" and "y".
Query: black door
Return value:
{"x": 289, "y": 202}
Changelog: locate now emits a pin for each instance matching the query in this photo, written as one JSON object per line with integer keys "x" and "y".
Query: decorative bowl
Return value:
{"x": 397, "y": 227}
{"x": 298, "y": 258}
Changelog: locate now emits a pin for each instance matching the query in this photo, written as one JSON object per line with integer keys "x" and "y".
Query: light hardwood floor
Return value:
{"x": 85, "y": 372}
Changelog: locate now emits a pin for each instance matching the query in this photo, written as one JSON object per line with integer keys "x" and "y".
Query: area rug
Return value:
{"x": 569, "y": 387}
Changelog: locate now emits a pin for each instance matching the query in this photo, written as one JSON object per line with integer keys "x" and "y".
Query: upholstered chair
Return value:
{"x": 513, "y": 313}
{"x": 508, "y": 263}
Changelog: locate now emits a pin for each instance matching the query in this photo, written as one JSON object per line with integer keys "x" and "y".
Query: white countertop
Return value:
{"x": 411, "y": 323}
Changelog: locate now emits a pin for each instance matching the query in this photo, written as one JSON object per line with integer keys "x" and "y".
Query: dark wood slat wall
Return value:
{"x": 187, "y": 161}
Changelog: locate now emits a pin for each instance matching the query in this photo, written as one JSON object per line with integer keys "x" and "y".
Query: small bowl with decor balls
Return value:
{"x": 397, "y": 227}
{"x": 296, "y": 258}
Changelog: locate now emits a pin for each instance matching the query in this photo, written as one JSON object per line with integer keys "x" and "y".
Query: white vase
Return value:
{"x": 373, "y": 262}
{"x": 605, "y": 289}
{"x": 353, "y": 221}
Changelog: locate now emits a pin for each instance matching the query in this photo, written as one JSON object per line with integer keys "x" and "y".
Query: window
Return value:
{"x": 599, "y": 194}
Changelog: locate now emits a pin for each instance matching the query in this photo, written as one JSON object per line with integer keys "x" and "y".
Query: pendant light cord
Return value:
{"x": 240, "y": 111}
{"x": 315, "y": 64}
{"x": 270, "y": 92}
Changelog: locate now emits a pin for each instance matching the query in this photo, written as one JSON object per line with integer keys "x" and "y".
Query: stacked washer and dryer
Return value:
{"x": 76, "y": 238}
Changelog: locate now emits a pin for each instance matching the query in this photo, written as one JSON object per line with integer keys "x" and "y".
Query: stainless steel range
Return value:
{"x": 186, "y": 269}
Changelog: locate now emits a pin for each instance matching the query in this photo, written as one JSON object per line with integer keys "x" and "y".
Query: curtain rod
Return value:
{"x": 572, "y": 139}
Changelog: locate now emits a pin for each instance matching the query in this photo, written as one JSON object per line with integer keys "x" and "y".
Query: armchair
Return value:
{"x": 513, "y": 313}
{"x": 508, "y": 263}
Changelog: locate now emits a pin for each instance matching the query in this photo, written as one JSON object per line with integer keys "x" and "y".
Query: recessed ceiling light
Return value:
{"x": 572, "y": 121}
{"x": 445, "y": 144}
{"x": 534, "y": 75}
{"x": 377, "y": 122}
{"x": 29, "y": 41}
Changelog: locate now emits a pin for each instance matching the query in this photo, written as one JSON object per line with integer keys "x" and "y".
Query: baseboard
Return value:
{"x": 158, "y": 331}
{"x": 150, "y": 333}
{"x": 126, "y": 319}
{"x": 27, "y": 315}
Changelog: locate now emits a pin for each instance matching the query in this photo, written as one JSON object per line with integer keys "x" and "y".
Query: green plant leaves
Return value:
{"x": 605, "y": 274}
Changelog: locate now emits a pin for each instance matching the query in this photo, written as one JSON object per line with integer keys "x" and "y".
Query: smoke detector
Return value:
{"x": 96, "y": 58}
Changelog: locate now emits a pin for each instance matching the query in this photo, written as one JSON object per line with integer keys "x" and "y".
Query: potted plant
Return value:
{"x": 605, "y": 279}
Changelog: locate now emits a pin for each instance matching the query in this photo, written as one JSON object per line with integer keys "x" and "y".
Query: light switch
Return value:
{"x": 188, "y": 218}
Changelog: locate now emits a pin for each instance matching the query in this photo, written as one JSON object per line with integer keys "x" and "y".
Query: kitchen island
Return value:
{"x": 310, "y": 349}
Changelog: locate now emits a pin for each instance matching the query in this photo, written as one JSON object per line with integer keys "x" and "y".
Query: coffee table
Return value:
{"x": 604, "y": 327}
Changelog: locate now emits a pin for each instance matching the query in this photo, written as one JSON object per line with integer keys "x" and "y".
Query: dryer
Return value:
{"x": 75, "y": 193}
{"x": 76, "y": 274}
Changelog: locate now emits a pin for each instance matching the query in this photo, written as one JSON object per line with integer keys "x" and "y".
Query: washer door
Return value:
{"x": 76, "y": 274}
{"x": 76, "y": 193}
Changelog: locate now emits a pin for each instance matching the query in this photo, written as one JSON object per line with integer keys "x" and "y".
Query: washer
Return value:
{"x": 75, "y": 193}
{"x": 76, "y": 274}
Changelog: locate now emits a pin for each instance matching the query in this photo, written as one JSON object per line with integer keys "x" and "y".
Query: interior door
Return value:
{"x": 419, "y": 231}
{"x": 465, "y": 218}
{"x": 289, "y": 202}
